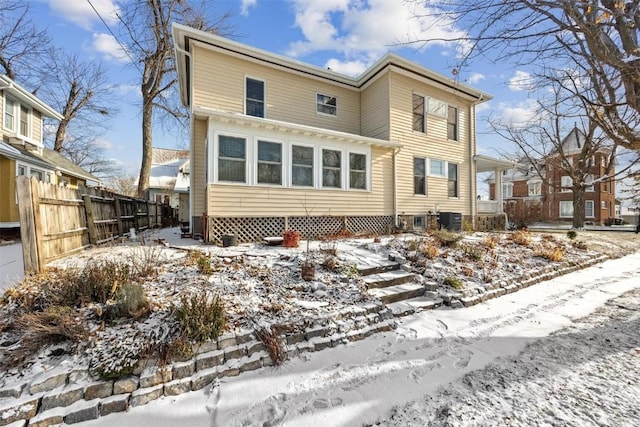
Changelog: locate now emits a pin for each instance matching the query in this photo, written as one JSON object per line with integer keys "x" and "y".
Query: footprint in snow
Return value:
{"x": 462, "y": 359}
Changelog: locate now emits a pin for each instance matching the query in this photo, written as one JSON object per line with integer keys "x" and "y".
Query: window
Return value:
{"x": 9, "y": 114}
{"x": 566, "y": 209}
{"x": 453, "y": 180}
{"x": 535, "y": 188}
{"x": 603, "y": 161}
{"x": 418, "y": 221}
{"x": 566, "y": 183}
{"x": 436, "y": 107}
{"x": 589, "y": 183}
{"x": 550, "y": 181}
{"x": 507, "y": 189}
{"x": 255, "y": 98}
{"x": 37, "y": 173}
{"x": 436, "y": 167}
{"x": 604, "y": 205}
{"x": 269, "y": 163}
{"x": 25, "y": 121}
{"x": 231, "y": 159}
{"x": 452, "y": 123}
{"x": 419, "y": 122}
{"x": 357, "y": 171}
{"x": 22, "y": 170}
{"x": 302, "y": 166}
{"x": 419, "y": 176}
{"x": 331, "y": 168}
{"x": 588, "y": 209}
{"x": 326, "y": 104}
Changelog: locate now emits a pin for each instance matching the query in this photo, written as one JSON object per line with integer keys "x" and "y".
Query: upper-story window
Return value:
{"x": 589, "y": 183}
{"x": 254, "y": 104}
{"x": 452, "y": 123}
{"x": 357, "y": 171}
{"x": 331, "y": 168}
{"x": 326, "y": 104}
{"x": 566, "y": 184}
{"x": 534, "y": 188}
{"x": 437, "y": 167}
{"x": 419, "y": 117}
{"x": 302, "y": 166}
{"x": 232, "y": 156}
{"x": 25, "y": 121}
{"x": 10, "y": 113}
{"x": 269, "y": 163}
{"x": 507, "y": 189}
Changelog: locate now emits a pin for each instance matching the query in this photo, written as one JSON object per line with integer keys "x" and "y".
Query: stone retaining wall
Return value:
{"x": 71, "y": 397}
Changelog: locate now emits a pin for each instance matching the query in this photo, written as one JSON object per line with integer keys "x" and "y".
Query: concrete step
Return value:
{"x": 396, "y": 293}
{"x": 414, "y": 305}
{"x": 388, "y": 278}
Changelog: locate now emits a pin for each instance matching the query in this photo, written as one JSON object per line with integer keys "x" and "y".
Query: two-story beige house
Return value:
{"x": 22, "y": 151}
{"x": 278, "y": 144}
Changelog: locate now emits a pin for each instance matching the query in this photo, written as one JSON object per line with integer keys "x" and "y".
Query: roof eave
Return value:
{"x": 24, "y": 95}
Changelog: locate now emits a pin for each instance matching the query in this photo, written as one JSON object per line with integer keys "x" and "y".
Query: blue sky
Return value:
{"x": 344, "y": 35}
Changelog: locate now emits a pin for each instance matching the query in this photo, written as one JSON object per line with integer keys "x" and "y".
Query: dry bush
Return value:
{"x": 145, "y": 260}
{"x": 330, "y": 262}
{"x": 413, "y": 245}
{"x": 274, "y": 344}
{"x": 35, "y": 330}
{"x": 579, "y": 244}
{"x": 201, "y": 316}
{"x": 491, "y": 242}
{"x": 430, "y": 251}
{"x": 446, "y": 238}
{"x": 521, "y": 237}
{"x": 467, "y": 271}
{"x": 130, "y": 302}
{"x": 553, "y": 254}
{"x": 473, "y": 252}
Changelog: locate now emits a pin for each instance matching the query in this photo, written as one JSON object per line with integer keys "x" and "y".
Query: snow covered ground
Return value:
{"x": 11, "y": 265}
{"x": 527, "y": 358}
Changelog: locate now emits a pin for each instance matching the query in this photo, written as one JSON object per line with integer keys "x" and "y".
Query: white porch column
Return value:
{"x": 498, "y": 175}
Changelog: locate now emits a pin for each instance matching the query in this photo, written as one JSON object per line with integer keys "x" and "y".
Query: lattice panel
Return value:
{"x": 370, "y": 224}
{"x": 246, "y": 229}
{"x": 316, "y": 226}
{"x": 490, "y": 222}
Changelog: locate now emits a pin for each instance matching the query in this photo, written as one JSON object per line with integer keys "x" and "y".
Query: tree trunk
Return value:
{"x": 578, "y": 206}
{"x": 60, "y": 134}
{"x": 147, "y": 144}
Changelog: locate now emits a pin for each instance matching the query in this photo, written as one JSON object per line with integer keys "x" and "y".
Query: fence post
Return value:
{"x": 119, "y": 215}
{"x": 30, "y": 232}
{"x": 91, "y": 225}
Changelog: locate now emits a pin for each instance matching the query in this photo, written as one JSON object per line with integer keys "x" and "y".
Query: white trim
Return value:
{"x": 367, "y": 171}
{"x": 593, "y": 207}
{"x": 560, "y": 203}
{"x": 320, "y": 113}
{"x": 314, "y": 166}
{"x": 283, "y": 161}
{"x": 264, "y": 95}
{"x": 216, "y": 146}
{"x": 16, "y": 114}
{"x": 444, "y": 168}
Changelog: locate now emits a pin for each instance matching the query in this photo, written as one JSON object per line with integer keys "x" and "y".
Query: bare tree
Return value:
{"x": 22, "y": 45}
{"x": 147, "y": 33}
{"x": 600, "y": 36}
{"x": 123, "y": 184}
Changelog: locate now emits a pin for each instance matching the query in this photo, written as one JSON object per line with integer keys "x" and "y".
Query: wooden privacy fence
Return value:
{"x": 57, "y": 221}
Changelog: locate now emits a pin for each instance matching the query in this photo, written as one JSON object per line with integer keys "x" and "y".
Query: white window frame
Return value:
{"x": 14, "y": 115}
{"x": 507, "y": 190}
{"x": 426, "y": 174}
{"x": 456, "y": 136}
{"x": 256, "y": 147}
{"x": 321, "y": 105}
{"x": 457, "y": 196}
{"x": 560, "y": 209}
{"x": 589, "y": 186}
{"x": 419, "y": 221}
{"x": 367, "y": 170}
{"x": 29, "y": 114}
{"x": 588, "y": 203}
{"x": 534, "y": 188}
{"x": 216, "y": 158}
{"x": 264, "y": 95}
{"x": 603, "y": 204}
{"x": 342, "y": 168}
{"x": 314, "y": 166}
{"x": 565, "y": 184}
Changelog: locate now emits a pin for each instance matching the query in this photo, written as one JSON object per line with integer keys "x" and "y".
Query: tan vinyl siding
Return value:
{"x": 8, "y": 207}
{"x": 433, "y": 144}
{"x": 375, "y": 108}
{"x": 36, "y": 126}
{"x": 219, "y": 81}
{"x": 198, "y": 167}
{"x": 240, "y": 200}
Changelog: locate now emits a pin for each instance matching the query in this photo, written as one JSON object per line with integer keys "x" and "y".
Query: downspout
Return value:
{"x": 191, "y": 137}
{"x": 395, "y": 185}
{"x": 472, "y": 169}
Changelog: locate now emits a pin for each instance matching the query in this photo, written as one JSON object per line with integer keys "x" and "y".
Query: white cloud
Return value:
{"x": 475, "y": 78}
{"x": 350, "y": 68}
{"x": 521, "y": 80}
{"x": 82, "y": 14}
{"x": 109, "y": 47}
{"x": 126, "y": 90}
{"x": 520, "y": 114}
{"x": 364, "y": 31}
{"x": 246, "y": 4}
{"x": 485, "y": 106}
